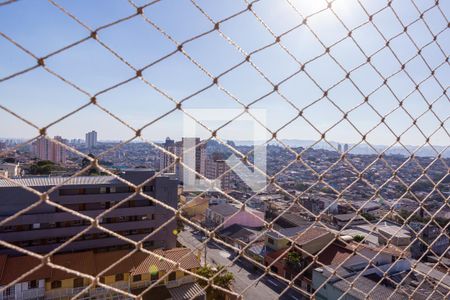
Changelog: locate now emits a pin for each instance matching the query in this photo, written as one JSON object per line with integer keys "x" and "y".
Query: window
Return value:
{"x": 67, "y": 192}
{"x": 56, "y": 284}
{"x": 92, "y": 191}
{"x": 137, "y": 278}
{"x": 274, "y": 269}
{"x": 149, "y": 243}
{"x": 172, "y": 276}
{"x": 119, "y": 277}
{"x": 155, "y": 275}
{"x": 78, "y": 282}
{"x": 33, "y": 284}
{"x": 102, "y": 279}
{"x": 270, "y": 241}
{"x": 123, "y": 189}
{"x": 148, "y": 188}
{"x": 9, "y": 291}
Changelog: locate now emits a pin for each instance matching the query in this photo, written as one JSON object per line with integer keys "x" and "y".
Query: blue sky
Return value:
{"x": 42, "y": 98}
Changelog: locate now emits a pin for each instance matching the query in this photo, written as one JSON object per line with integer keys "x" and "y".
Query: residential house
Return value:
{"x": 195, "y": 209}
{"x": 138, "y": 271}
{"x": 240, "y": 236}
{"x": 348, "y": 220}
{"x": 310, "y": 240}
{"x": 225, "y": 215}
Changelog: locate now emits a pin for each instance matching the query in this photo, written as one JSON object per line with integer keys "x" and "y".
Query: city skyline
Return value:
{"x": 224, "y": 149}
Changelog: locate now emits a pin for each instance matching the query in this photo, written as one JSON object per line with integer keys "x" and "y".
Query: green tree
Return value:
{"x": 44, "y": 167}
{"x": 224, "y": 280}
{"x": 368, "y": 217}
{"x": 293, "y": 258}
{"x": 300, "y": 186}
{"x": 358, "y": 238}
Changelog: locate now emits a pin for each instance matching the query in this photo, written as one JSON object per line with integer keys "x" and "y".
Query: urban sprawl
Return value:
{"x": 332, "y": 222}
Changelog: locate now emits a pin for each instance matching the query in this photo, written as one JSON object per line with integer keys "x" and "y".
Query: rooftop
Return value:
{"x": 286, "y": 232}
{"x": 91, "y": 263}
{"x": 224, "y": 209}
{"x": 35, "y": 181}
{"x": 56, "y": 180}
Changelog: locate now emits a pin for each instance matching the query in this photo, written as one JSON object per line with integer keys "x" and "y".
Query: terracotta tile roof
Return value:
{"x": 187, "y": 261}
{"x": 91, "y": 263}
{"x": 106, "y": 259}
{"x": 83, "y": 262}
{"x": 335, "y": 254}
{"x": 276, "y": 254}
{"x": 17, "y": 266}
{"x": 309, "y": 235}
{"x": 151, "y": 262}
{"x": 389, "y": 249}
{"x": 190, "y": 261}
{"x": 3, "y": 259}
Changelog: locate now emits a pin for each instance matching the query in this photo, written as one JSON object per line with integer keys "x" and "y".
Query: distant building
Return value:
{"x": 91, "y": 139}
{"x": 166, "y": 161}
{"x": 430, "y": 236}
{"x": 218, "y": 168}
{"x": 345, "y": 147}
{"x": 45, "y": 227}
{"x": 45, "y": 149}
{"x": 339, "y": 147}
{"x": 344, "y": 220}
{"x": 225, "y": 215}
{"x": 375, "y": 274}
{"x": 195, "y": 209}
{"x": 137, "y": 271}
{"x": 200, "y": 154}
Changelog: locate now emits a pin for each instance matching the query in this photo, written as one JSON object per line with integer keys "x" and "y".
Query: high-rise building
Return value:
{"x": 346, "y": 147}
{"x": 166, "y": 161}
{"x": 91, "y": 139}
{"x": 339, "y": 147}
{"x": 200, "y": 154}
{"x": 44, "y": 227}
{"x": 45, "y": 149}
{"x": 216, "y": 167}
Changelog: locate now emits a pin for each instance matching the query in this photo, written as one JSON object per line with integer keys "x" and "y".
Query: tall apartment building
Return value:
{"x": 178, "y": 148}
{"x": 47, "y": 150}
{"x": 91, "y": 139}
{"x": 216, "y": 167}
{"x": 45, "y": 227}
{"x": 166, "y": 161}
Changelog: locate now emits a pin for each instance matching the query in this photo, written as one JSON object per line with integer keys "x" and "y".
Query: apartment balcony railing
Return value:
{"x": 94, "y": 292}
{"x": 181, "y": 281}
{"x": 33, "y": 293}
